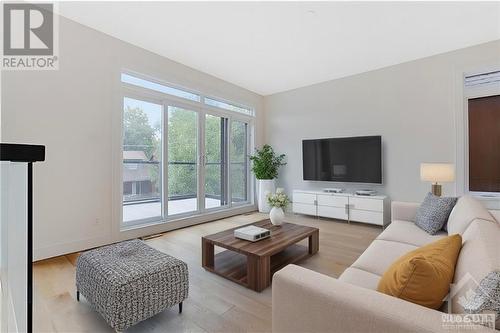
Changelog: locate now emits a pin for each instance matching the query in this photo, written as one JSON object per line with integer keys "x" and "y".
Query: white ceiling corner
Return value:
{"x": 269, "y": 47}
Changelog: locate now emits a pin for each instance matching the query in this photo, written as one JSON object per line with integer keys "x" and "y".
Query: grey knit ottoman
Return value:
{"x": 129, "y": 282}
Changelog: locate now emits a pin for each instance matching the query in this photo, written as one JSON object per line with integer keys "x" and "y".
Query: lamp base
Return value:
{"x": 436, "y": 189}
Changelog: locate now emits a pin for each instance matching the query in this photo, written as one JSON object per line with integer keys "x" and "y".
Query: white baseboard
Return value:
{"x": 70, "y": 247}
{"x": 85, "y": 244}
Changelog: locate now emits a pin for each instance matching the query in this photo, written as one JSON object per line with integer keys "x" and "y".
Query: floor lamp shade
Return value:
{"x": 437, "y": 173}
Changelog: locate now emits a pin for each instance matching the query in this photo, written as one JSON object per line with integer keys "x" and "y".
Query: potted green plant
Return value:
{"x": 265, "y": 165}
{"x": 278, "y": 202}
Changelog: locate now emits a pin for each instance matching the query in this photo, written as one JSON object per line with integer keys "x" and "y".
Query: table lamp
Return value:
{"x": 437, "y": 173}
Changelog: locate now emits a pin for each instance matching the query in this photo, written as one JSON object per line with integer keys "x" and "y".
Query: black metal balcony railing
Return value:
{"x": 154, "y": 196}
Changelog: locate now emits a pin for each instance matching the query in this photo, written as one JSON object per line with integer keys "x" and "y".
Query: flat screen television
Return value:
{"x": 354, "y": 159}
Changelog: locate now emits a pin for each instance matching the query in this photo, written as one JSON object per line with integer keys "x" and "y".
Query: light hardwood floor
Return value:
{"x": 214, "y": 303}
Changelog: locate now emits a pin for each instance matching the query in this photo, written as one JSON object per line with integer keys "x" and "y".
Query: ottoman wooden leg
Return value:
{"x": 180, "y": 307}
{"x": 77, "y": 296}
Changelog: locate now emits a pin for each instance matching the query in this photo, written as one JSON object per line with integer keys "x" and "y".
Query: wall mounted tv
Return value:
{"x": 355, "y": 159}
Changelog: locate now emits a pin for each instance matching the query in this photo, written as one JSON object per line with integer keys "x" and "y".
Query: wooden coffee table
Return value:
{"x": 252, "y": 264}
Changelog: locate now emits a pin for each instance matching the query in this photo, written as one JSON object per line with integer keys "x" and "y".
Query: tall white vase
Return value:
{"x": 266, "y": 186}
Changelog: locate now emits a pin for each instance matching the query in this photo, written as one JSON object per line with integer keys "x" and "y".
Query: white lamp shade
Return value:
{"x": 437, "y": 172}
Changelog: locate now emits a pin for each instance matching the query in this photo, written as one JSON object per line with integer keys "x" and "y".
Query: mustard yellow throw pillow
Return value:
{"x": 423, "y": 276}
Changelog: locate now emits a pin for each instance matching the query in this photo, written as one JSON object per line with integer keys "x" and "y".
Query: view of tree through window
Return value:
{"x": 182, "y": 159}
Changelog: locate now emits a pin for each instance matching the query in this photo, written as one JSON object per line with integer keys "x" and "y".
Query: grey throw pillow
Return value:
{"x": 433, "y": 213}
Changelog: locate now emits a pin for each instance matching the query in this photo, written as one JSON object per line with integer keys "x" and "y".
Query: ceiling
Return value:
{"x": 269, "y": 47}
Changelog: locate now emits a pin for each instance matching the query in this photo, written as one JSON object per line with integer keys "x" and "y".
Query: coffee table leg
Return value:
{"x": 207, "y": 253}
{"x": 258, "y": 272}
{"x": 314, "y": 242}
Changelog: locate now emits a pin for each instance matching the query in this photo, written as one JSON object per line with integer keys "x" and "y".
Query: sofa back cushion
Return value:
{"x": 480, "y": 255}
{"x": 465, "y": 211}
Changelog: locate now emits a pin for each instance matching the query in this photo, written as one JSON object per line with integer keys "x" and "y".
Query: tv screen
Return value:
{"x": 356, "y": 159}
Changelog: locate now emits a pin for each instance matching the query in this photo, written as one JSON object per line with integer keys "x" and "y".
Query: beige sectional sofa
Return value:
{"x": 307, "y": 301}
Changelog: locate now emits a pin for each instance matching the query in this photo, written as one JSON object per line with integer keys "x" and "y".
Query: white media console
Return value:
{"x": 344, "y": 206}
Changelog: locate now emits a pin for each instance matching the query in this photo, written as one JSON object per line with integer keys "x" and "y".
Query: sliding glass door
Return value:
{"x": 180, "y": 161}
{"x": 238, "y": 156}
{"x": 182, "y": 174}
{"x": 215, "y": 161}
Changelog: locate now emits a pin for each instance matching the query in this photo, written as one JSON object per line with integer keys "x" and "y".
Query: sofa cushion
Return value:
{"x": 407, "y": 232}
{"x": 360, "y": 278}
{"x": 466, "y": 210}
{"x": 380, "y": 255}
{"x": 433, "y": 212}
{"x": 479, "y": 256}
{"x": 424, "y": 275}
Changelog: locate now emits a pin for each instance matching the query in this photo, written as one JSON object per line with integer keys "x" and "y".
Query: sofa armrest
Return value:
{"x": 307, "y": 301}
{"x": 404, "y": 211}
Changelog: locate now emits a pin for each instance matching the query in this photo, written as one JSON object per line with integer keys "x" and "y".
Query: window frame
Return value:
{"x": 202, "y": 109}
{"x": 202, "y": 96}
{"x": 223, "y": 101}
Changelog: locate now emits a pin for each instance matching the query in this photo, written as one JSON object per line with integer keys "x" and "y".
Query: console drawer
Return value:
{"x": 333, "y": 212}
{"x": 366, "y": 216}
{"x": 301, "y": 208}
{"x": 305, "y": 198}
{"x": 376, "y": 205}
{"x": 332, "y": 200}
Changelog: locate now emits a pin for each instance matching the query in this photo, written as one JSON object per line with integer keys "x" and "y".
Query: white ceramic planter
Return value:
{"x": 266, "y": 186}
{"x": 277, "y": 215}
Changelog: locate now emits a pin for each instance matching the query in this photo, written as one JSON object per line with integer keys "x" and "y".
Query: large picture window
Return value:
{"x": 181, "y": 158}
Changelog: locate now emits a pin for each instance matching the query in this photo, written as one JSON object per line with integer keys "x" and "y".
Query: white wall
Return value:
{"x": 413, "y": 106}
{"x": 75, "y": 112}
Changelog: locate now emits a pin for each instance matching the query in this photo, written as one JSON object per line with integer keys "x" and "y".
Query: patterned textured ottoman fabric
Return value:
{"x": 129, "y": 282}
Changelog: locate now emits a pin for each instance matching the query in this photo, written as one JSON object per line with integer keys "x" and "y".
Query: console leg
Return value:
{"x": 180, "y": 307}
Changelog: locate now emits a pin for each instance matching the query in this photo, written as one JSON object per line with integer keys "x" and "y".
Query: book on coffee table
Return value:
{"x": 252, "y": 233}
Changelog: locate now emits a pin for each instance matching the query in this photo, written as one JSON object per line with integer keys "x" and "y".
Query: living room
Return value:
{"x": 359, "y": 140}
